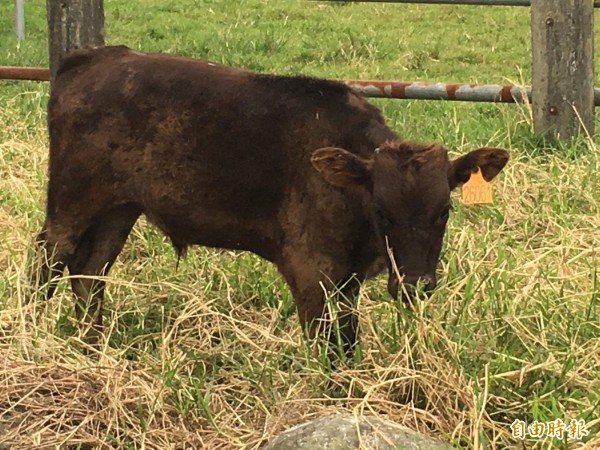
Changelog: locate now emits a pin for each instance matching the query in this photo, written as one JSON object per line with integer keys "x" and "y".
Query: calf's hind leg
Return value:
{"x": 95, "y": 253}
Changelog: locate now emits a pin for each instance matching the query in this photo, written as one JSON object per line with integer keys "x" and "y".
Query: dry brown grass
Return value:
{"x": 71, "y": 405}
{"x": 51, "y": 395}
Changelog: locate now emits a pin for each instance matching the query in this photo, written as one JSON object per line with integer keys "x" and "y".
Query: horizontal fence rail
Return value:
{"x": 24, "y": 73}
{"x": 441, "y": 91}
{"x": 418, "y": 90}
{"x": 453, "y": 2}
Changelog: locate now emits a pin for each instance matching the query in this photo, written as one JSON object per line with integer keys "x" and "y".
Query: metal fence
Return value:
{"x": 453, "y": 2}
{"x": 563, "y": 94}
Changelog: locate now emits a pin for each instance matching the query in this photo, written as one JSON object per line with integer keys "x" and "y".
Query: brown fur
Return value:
{"x": 283, "y": 167}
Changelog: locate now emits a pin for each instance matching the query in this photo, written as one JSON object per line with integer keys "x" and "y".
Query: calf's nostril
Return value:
{"x": 429, "y": 283}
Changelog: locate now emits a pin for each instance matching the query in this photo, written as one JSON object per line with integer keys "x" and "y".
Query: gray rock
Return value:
{"x": 341, "y": 432}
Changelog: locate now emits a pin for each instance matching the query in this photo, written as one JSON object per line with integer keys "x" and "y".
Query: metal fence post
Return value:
{"x": 563, "y": 67}
{"x": 72, "y": 24}
{"x": 19, "y": 20}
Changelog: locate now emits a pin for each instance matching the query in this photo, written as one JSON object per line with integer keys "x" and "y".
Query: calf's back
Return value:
{"x": 212, "y": 155}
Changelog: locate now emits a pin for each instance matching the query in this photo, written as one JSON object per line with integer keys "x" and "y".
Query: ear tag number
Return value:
{"x": 476, "y": 190}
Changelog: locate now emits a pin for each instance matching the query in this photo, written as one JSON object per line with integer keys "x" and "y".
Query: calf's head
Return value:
{"x": 408, "y": 189}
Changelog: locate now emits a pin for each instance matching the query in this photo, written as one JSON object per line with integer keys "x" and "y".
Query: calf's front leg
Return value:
{"x": 311, "y": 282}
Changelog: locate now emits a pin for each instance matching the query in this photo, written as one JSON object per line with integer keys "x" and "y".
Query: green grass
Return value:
{"x": 210, "y": 353}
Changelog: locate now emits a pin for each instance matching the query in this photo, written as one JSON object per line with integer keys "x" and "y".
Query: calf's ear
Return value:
{"x": 490, "y": 160}
{"x": 342, "y": 168}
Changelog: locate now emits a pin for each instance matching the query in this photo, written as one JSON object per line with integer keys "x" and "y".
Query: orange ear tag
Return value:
{"x": 476, "y": 190}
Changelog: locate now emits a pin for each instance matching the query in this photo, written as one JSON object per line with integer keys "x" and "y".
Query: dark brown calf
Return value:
{"x": 301, "y": 171}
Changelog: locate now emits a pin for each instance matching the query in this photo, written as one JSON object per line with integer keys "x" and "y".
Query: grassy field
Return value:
{"x": 209, "y": 354}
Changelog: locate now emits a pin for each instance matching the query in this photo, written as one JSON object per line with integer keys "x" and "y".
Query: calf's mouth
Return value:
{"x": 410, "y": 285}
